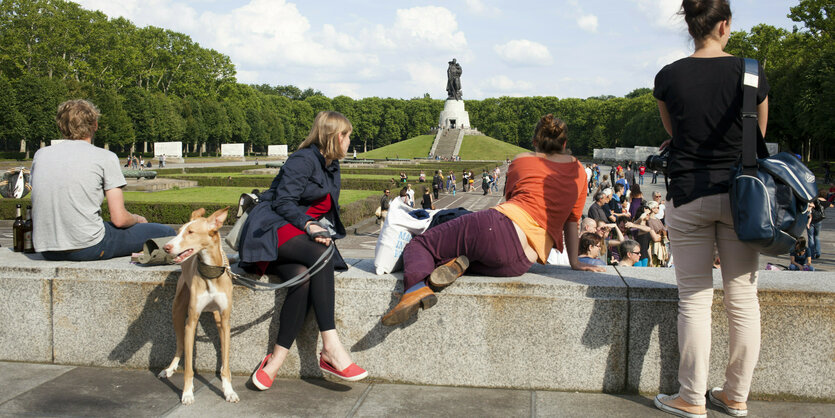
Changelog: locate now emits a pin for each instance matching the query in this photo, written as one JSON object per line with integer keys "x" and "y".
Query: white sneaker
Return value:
{"x": 671, "y": 410}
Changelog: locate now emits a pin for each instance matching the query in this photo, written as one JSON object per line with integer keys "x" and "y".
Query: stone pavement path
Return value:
{"x": 50, "y": 390}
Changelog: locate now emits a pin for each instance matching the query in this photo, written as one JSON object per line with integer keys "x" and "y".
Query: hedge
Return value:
{"x": 218, "y": 169}
{"x": 12, "y": 155}
{"x": 178, "y": 213}
{"x": 263, "y": 182}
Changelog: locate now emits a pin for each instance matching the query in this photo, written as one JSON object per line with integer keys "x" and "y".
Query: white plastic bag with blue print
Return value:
{"x": 398, "y": 229}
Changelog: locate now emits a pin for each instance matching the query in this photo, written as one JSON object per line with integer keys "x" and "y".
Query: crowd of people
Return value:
{"x": 615, "y": 216}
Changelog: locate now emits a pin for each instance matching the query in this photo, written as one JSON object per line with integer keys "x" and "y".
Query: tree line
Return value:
{"x": 153, "y": 84}
{"x": 800, "y": 66}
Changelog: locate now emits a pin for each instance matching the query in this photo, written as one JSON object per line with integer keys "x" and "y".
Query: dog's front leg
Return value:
{"x": 224, "y": 330}
{"x": 188, "y": 371}
{"x": 179, "y": 313}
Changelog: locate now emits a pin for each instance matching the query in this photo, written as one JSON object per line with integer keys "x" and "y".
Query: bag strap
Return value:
{"x": 750, "y": 83}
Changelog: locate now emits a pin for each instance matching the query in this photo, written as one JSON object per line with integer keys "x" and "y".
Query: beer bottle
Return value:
{"x": 28, "y": 245}
{"x": 17, "y": 231}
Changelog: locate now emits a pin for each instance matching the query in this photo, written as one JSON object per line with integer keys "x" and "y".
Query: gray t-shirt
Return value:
{"x": 68, "y": 184}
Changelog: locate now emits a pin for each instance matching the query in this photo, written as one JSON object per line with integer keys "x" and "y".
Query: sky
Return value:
{"x": 400, "y": 49}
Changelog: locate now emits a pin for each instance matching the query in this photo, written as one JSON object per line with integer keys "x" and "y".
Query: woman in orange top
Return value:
{"x": 545, "y": 194}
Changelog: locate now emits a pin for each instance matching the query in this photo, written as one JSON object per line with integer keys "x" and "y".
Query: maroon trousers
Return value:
{"x": 488, "y": 239}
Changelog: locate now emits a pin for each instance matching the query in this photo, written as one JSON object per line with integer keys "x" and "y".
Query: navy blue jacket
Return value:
{"x": 303, "y": 179}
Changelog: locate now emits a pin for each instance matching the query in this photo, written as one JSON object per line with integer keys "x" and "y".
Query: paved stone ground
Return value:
{"x": 50, "y": 390}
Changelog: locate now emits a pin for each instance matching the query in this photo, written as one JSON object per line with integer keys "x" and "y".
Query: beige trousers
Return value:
{"x": 693, "y": 229}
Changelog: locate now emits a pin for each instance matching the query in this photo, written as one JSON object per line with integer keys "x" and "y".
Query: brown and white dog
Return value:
{"x": 197, "y": 291}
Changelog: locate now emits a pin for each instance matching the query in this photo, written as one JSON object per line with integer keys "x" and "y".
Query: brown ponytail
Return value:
{"x": 703, "y": 15}
{"x": 550, "y": 135}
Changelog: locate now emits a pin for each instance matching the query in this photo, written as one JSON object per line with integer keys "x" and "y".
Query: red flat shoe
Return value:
{"x": 260, "y": 378}
{"x": 351, "y": 373}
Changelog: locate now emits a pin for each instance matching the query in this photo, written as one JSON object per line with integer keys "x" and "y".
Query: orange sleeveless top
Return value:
{"x": 550, "y": 193}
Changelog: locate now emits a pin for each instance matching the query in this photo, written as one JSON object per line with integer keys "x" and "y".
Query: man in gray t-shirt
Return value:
{"x": 69, "y": 183}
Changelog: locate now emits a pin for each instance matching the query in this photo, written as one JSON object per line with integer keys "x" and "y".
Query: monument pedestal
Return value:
{"x": 454, "y": 116}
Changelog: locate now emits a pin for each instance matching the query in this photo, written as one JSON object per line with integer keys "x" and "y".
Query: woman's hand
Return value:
{"x": 664, "y": 144}
{"x": 587, "y": 267}
{"x": 313, "y": 228}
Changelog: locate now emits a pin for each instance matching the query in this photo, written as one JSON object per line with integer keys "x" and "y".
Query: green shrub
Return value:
{"x": 12, "y": 155}
{"x": 179, "y": 213}
{"x": 166, "y": 172}
{"x": 263, "y": 182}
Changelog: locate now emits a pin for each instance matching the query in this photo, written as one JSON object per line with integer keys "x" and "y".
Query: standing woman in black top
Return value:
{"x": 426, "y": 203}
{"x": 700, "y": 100}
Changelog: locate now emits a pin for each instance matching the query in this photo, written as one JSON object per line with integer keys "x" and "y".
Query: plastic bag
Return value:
{"x": 398, "y": 229}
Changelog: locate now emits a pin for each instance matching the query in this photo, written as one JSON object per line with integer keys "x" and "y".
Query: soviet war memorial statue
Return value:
{"x": 453, "y": 84}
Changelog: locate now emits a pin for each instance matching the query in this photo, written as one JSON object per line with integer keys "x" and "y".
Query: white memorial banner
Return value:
{"x": 276, "y": 150}
{"x": 231, "y": 150}
{"x": 168, "y": 149}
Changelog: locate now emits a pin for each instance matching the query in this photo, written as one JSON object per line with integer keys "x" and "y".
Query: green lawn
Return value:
{"x": 228, "y": 195}
{"x": 416, "y": 147}
{"x": 476, "y": 147}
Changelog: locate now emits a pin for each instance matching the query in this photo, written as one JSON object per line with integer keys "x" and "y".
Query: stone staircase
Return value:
{"x": 447, "y": 142}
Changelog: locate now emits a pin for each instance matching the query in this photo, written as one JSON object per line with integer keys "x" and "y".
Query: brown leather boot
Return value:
{"x": 444, "y": 275}
{"x": 409, "y": 304}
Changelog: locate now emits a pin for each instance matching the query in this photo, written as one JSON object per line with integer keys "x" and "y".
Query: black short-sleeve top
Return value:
{"x": 704, "y": 99}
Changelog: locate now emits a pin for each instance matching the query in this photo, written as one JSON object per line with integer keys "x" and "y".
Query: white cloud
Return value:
{"x": 661, "y": 13}
{"x": 426, "y": 77}
{"x": 351, "y": 90}
{"x": 671, "y": 56}
{"x": 167, "y": 14}
{"x": 269, "y": 33}
{"x": 588, "y": 23}
{"x": 524, "y": 52}
{"x": 428, "y": 26}
{"x": 477, "y": 7}
{"x": 503, "y": 84}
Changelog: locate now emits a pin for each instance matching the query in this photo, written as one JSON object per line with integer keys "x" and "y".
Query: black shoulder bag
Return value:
{"x": 769, "y": 196}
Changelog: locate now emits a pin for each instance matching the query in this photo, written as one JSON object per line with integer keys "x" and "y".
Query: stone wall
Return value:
{"x": 552, "y": 328}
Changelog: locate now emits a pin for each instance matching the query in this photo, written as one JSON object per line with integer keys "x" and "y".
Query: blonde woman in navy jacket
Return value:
{"x": 283, "y": 236}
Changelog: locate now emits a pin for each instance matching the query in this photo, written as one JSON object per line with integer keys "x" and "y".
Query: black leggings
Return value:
{"x": 295, "y": 257}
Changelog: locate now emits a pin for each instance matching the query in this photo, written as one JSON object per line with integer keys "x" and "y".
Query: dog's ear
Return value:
{"x": 217, "y": 219}
{"x": 197, "y": 214}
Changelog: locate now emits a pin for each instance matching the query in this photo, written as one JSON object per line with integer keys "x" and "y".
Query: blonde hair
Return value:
{"x": 325, "y": 132}
{"x": 77, "y": 119}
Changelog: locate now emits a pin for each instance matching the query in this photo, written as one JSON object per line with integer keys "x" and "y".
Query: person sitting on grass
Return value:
{"x": 590, "y": 249}
{"x": 801, "y": 260}
{"x": 503, "y": 241}
{"x": 67, "y": 198}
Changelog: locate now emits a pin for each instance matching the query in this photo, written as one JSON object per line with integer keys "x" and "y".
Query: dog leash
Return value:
{"x": 293, "y": 281}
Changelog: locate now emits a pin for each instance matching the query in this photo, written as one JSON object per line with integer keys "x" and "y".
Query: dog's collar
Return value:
{"x": 207, "y": 271}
